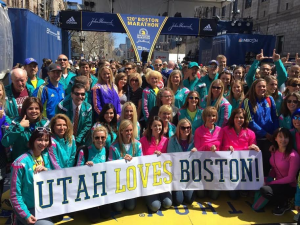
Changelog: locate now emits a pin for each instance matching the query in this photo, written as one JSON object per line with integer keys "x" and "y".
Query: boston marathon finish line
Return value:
{"x": 142, "y": 30}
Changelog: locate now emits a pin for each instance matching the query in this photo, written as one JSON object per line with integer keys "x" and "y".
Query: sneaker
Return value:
{"x": 281, "y": 209}
{"x": 296, "y": 217}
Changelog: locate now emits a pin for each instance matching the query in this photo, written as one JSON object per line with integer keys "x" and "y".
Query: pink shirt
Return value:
{"x": 203, "y": 139}
{"x": 284, "y": 169}
{"x": 239, "y": 142}
{"x": 150, "y": 147}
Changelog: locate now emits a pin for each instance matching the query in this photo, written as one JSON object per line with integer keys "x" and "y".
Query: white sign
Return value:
{"x": 73, "y": 189}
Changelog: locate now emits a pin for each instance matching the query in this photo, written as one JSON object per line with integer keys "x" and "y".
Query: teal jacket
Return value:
{"x": 174, "y": 146}
{"x": 201, "y": 89}
{"x": 65, "y": 81}
{"x": 84, "y": 120}
{"x": 172, "y": 129}
{"x": 191, "y": 85}
{"x": 180, "y": 96}
{"x": 148, "y": 101}
{"x": 278, "y": 102}
{"x": 138, "y": 126}
{"x": 95, "y": 155}
{"x": 61, "y": 153}
{"x": 21, "y": 183}
{"x": 110, "y": 138}
{"x": 205, "y": 79}
{"x": 197, "y": 122}
{"x": 115, "y": 150}
{"x": 235, "y": 104}
{"x": 281, "y": 72}
{"x": 224, "y": 111}
{"x": 39, "y": 82}
{"x": 293, "y": 132}
{"x": 93, "y": 81}
{"x": 11, "y": 108}
{"x": 18, "y": 136}
{"x": 285, "y": 121}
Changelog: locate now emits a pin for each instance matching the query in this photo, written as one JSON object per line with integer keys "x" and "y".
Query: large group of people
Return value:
{"x": 64, "y": 118}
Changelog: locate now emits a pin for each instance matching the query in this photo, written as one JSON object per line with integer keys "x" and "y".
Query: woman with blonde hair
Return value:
{"x": 215, "y": 98}
{"x": 165, "y": 113}
{"x": 63, "y": 148}
{"x": 125, "y": 147}
{"x": 150, "y": 92}
{"x": 182, "y": 141}
{"x": 129, "y": 113}
{"x": 236, "y": 95}
{"x": 176, "y": 85}
{"x": 105, "y": 91}
{"x": 272, "y": 90}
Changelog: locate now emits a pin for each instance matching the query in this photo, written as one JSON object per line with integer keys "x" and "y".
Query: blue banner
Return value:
{"x": 181, "y": 26}
{"x": 143, "y": 31}
{"x": 104, "y": 22}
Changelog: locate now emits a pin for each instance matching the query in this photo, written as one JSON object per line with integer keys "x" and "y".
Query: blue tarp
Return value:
{"x": 235, "y": 47}
{"x": 34, "y": 37}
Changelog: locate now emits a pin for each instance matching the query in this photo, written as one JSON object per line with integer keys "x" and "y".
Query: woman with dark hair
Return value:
{"x": 292, "y": 85}
{"x": 136, "y": 92}
{"x": 125, "y": 147}
{"x": 215, "y": 98}
{"x": 289, "y": 106}
{"x": 236, "y": 95}
{"x": 105, "y": 91}
{"x": 22, "y": 172}
{"x": 21, "y": 128}
{"x": 165, "y": 96}
{"x": 226, "y": 78}
{"x": 154, "y": 142}
{"x": 63, "y": 149}
{"x": 182, "y": 141}
{"x": 296, "y": 129}
{"x": 272, "y": 90}
{"x": 262, "y": 116}
{"x": 236, "y": 135}
{"x": 191, "y": 110}
{"x": 121, "y": 83}
{"x": 281, "y": 182}
{"x": 108, "y": 119}
{"x": 176, "y": 85}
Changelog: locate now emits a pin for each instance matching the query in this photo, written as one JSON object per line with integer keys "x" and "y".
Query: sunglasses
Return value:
{"x": 77, "y": 94}
{"x": 62, "y": 60}
{"x": 185, "y": 128}
{"x": 218, "y": 88}
{"x": 292, "y": 101}
{"x": 41, "y": 129}
{"x": 157, "y": 64}
{"x": 128, "y": 68}
{"x": 134, "y": 80}
{"x": 192, "y": 98}
{"x": 296, "y": 118}
{"x": 99, "y": 137}
{"x": 295, "y": 85}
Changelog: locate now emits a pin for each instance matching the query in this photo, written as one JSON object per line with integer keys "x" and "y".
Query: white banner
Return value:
{"x": 77, "y": 188}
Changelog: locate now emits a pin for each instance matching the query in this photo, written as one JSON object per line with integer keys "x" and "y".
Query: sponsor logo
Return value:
{"x": 181, "y": 26}
{"x": 141, "y": 48}
{"x": 207, "y": 28}
{"x": 253, "y": 40}
{"x": 71, "y": 20}
{"x": 100, "y": 21}
{"x": 57, "y": 34}
{"x": 143, "y": 34}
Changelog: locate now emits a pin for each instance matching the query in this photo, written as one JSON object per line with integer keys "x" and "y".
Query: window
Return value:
{"x": 223, "y": 11}
{"x": 248, "y": 4}
{"x": 264, "y": 13}
{"x": 279, "y": 44}
{"x": 214, "y": 10}
{"x": 286, "y": 6}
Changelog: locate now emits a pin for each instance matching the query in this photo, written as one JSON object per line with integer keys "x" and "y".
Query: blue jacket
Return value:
{"x": 264, "y": 120}
{"x": 50, "y": 96}
{"x": 174, "y": 146}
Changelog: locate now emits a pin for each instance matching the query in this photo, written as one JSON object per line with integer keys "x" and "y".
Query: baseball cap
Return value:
{"x": 54, "y": 67}
{"x": 213, "y": 61}
{"x": 193, "y": 64}
{"x": 70, "y": 62}
{"x": 30, "y": 60}
{"x": 165, "y": 63}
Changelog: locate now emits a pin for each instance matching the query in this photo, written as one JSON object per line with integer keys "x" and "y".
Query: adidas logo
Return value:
{"x": 71, "y": 20}
{"x": 207, "y": 28}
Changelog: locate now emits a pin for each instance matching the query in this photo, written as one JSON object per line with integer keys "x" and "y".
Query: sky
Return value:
{"x": 120, "y": 38}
